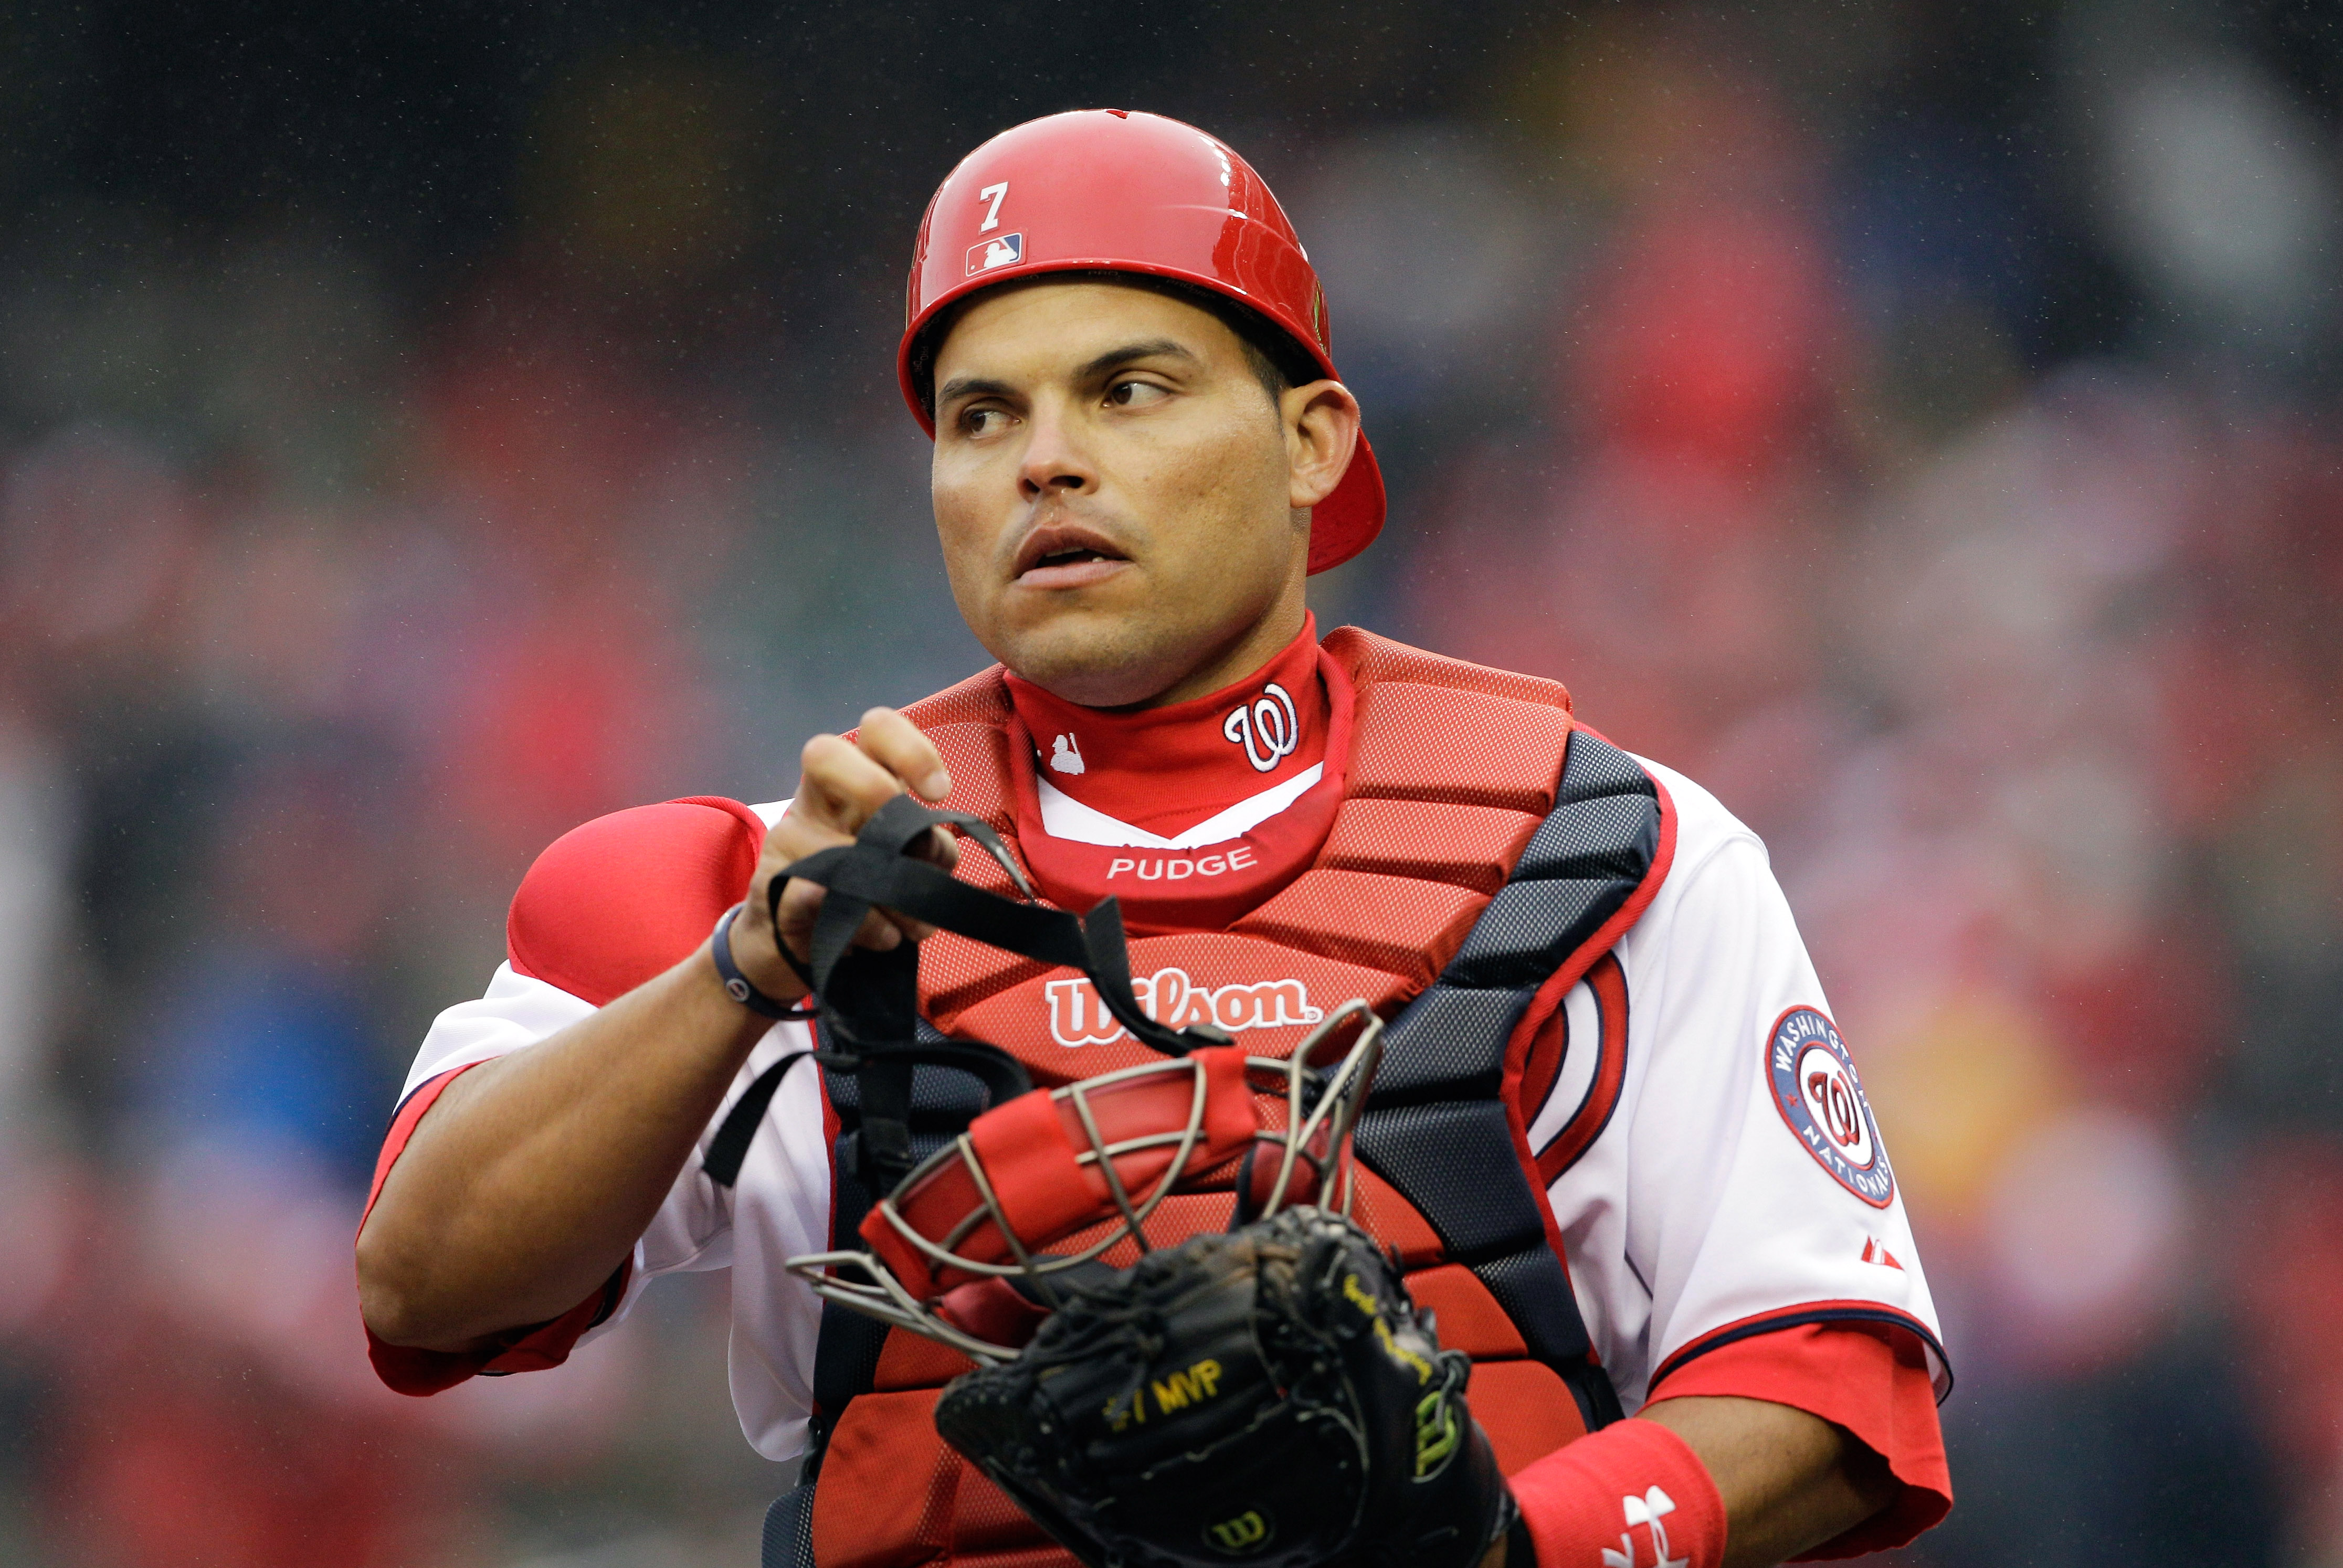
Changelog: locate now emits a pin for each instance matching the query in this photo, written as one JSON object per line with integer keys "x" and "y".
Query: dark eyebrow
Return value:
{"x": 961, "y": 385}
{"x": 1154, "y": 348}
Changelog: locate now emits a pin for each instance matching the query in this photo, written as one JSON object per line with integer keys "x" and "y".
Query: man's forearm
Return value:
{"x": 1749, "y": 1483}
{"x": 531, "y": 1177}
{"x": 1790, "y": 1481}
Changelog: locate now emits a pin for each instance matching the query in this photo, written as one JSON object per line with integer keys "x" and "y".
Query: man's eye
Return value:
{"x": 1134, "y": 394}
{"x": 982, "y": 421}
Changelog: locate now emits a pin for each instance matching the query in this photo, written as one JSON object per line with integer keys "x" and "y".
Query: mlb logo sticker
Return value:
{"x": 987, "y": 254}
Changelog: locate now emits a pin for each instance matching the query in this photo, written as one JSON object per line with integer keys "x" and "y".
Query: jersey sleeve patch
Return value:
{"x": 1821, "y": 1102}
{"x": 614, "y": 903}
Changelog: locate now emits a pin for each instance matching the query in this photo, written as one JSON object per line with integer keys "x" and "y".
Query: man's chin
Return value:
{"x": 1099, "y": 655}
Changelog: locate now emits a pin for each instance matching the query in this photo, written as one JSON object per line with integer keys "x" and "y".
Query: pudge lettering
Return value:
{"x": 1179, "y": 867}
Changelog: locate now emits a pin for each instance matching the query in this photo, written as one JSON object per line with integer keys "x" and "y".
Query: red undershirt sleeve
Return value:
{"x": 532, "y": 1347}
{"x": 1871, "y": 1379}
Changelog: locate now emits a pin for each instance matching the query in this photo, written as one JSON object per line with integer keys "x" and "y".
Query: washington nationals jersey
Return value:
{"x": 1713, "y": 1166}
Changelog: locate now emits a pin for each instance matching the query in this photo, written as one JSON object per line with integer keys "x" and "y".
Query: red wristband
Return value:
{"x": 1633, "y": 1495}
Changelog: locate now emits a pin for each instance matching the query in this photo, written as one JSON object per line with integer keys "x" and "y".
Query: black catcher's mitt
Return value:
{"x": 1268, "y": 1396}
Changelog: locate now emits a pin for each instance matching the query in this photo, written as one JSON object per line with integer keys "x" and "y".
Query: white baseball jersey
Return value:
{"x": 1727, "y": 1176}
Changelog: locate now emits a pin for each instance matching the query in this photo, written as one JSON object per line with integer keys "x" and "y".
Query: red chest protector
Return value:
{"x": 1485, "y": 857}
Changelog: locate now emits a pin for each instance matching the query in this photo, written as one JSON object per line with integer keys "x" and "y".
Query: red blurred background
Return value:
{"x": 421, "y": 430}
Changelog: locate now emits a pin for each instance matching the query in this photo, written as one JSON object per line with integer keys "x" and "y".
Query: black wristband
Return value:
{"x": 737, "y": 985}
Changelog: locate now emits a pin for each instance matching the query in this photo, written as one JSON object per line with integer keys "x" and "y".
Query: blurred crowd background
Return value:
{"x": 424, "y": 427}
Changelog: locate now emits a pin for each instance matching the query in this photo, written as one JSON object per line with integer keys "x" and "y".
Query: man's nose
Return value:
{"x": 1056, "y": 456}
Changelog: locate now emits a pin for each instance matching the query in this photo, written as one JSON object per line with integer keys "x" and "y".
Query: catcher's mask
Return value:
{"x": 964, "y": 1249}
{"x": 970, "y": 1246}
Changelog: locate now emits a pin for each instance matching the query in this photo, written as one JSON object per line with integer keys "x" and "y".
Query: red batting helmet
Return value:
{"x": 1113, "y": 190}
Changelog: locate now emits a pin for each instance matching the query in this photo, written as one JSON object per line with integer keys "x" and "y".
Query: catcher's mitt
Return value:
{"x": 1267, "y": 1396}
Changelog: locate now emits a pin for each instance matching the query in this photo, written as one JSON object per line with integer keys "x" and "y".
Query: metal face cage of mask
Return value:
{"x": 1089, "y": 1164}
{"x": 963, "y": 1237}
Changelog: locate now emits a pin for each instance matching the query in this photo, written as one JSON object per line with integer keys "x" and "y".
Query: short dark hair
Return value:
{"x": 1276, "y": 359}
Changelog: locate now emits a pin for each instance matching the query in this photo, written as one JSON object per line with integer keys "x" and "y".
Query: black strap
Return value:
{"x": 729, "y": 1147}
{"x": 1002, "y": 1075}
{"x": 866, "y": 1002}
{"x": 1521, "y": 1547}
{"x": 875, "y": 870}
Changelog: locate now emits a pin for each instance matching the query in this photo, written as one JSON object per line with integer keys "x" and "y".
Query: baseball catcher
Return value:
{"x": 1298, "y": 1099}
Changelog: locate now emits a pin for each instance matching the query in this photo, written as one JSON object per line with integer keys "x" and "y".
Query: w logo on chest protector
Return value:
{"x": 1267, "y": 728}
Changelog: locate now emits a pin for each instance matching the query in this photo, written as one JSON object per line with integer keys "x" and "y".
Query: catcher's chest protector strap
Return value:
{"x": 1485, "y": 856}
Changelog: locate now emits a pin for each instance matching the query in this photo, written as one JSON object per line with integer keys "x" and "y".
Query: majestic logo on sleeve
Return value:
{"x": 1267, "y": 728}
{"x": 1816, "y": 1089}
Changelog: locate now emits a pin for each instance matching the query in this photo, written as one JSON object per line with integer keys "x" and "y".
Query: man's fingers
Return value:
{"x": 880, "y": 929}
{"x": 939, "y": 847}
{"x": 841, "y": 786}
{"x": 877, "y": 932}
{"x": 895, "y": 743}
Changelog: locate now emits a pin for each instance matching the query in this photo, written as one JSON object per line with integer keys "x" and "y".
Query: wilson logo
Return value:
{"x": 1246, "y": 1533}
{"x": 1077, "y": 1016}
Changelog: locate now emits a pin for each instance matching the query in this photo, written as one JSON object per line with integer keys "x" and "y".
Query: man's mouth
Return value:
{"x": 1065, "y": 555}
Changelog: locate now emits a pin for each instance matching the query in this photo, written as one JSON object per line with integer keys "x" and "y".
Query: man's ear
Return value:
{"x": 1321, "y": 431}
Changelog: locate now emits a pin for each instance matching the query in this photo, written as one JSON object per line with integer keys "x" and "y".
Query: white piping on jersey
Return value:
{"x": 1066, "y": 817}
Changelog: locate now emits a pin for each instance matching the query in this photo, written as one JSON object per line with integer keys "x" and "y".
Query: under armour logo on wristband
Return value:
{"x": 1648, "y": 1512}
{"x": 1267, "y": 728}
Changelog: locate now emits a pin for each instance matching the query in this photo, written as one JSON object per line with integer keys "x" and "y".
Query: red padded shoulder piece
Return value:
{"x": 981, "y": 699}
{"x": 969, "y": 724}
{"x": 1373, "y": 659}
{"x": 616, "y": 902}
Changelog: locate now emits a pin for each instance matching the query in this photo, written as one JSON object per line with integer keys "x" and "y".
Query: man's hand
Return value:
{"x": 533, "y": 1175}
{"x": 843, "y": 785}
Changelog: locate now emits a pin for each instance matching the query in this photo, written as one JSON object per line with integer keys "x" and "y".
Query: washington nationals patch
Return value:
{"x": 1816, "y": 1089}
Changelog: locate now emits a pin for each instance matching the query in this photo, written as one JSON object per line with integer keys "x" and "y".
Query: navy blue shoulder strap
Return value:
{"x": 1438, "y": 1126}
